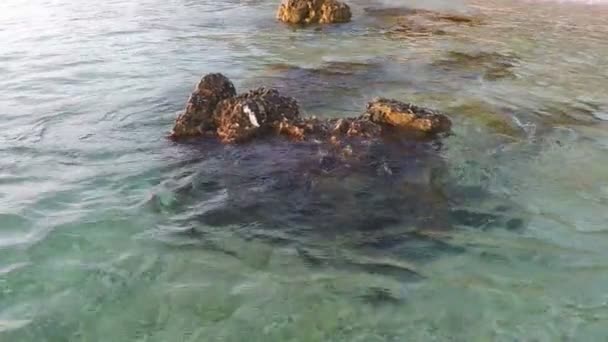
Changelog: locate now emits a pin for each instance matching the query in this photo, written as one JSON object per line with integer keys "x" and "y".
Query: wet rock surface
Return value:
{"x": 303, "y": 12}
{"x": 197, "y": 118}
{"x": 241, "y": 118}
{"x": 407, "y": 116}
{"x": 498, "y": 120}
{"x": 265, "y": 111}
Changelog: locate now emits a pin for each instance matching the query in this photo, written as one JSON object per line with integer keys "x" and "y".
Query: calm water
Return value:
{"x": 109, "y": 232}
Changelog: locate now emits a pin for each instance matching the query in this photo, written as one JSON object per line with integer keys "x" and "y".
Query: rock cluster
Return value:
{"x": 215, "y": 109}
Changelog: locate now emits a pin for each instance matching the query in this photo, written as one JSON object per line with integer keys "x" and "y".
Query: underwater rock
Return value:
{"x": 410, "y": 22}
{"x": 489, "y": 65}
{"x": 484, "y": 114}
{"x": 569, "y": 113}
{"x": 313, "y": 12}
{"x": 197, "y": 118}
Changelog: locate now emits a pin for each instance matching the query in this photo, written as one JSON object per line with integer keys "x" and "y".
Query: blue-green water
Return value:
{"x": 99, "y": 241}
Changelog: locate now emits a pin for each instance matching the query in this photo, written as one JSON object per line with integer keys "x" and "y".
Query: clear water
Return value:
{"x": 99, "y": 242}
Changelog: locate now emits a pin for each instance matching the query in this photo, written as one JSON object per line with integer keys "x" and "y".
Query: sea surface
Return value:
{"x": 111, "y": 232}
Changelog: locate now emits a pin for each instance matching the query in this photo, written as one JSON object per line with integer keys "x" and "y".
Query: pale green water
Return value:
{"x": 93, "y": 232}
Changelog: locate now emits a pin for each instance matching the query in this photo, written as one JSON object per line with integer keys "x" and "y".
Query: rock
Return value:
{"x": 313, "y": 12}
{"x": 566, "y": 113}
{"x": 406, "y": 116}
{"x": 213, "y": 109}
{"x": 197, "y": 118}
{"x": 412, "y": 28}
{"x": 239, "y": 118}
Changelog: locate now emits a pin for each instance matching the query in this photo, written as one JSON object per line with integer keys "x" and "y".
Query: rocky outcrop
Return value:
{"x": 401, "y": 115}
{"x": 313, "y": 12}
{"x": 242, "y": 117}
{"x": 197, "y": 118}
{"x": 214, "y": 109}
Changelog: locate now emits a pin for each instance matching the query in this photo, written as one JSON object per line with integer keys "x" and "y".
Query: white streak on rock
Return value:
{"x": 252, "y": 118}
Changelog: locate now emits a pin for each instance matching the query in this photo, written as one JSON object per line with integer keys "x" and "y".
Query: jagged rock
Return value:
{"x": 313, "y": 12}
{"x": 197, "y": 117}
{"x": 264, "y": 111}
{"x": 407, "y": 116}
{"x": 242, "y": 117}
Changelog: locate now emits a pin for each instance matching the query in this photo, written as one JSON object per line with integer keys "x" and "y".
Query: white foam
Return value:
{"x": 252, "y": 118}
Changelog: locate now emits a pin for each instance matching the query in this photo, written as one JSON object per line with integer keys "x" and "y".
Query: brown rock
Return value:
{"x": 242, "y": 117}
{"x": 406, "y": 116}
{"x": 313, "y": 12}
{"x": 214, "y": 109}
{"x": 197, "y": 117}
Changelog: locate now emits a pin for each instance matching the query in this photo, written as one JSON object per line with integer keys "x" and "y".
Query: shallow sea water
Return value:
{"x": 104, "y": 226}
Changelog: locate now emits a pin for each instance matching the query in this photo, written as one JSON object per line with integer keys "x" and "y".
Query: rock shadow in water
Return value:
{"x": 382, "y": 209}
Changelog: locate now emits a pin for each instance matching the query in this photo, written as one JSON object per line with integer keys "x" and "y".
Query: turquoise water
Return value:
{"x": 106, "y": 227}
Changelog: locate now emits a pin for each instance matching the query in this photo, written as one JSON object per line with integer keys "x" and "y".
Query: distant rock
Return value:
{"x": 303, "y": 12}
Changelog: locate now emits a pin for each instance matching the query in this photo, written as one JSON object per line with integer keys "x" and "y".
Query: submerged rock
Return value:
{"x": 313, "y": 12}
{"x": 427, "y": 15}
{"x": 410, "y": 22}
{"x": 569, "y": 113}
{"x": 484, "y": 114}
{"x": 489, "y": 65}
